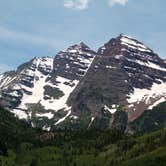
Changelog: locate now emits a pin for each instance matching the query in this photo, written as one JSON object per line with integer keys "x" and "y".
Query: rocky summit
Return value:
{"x": 81, "y": 89}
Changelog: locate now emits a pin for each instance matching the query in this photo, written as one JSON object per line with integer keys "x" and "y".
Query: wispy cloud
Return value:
{"x": 20, "y": 37}
{"x": 76, "y": 4}
{"x": 84, "y": 4}
{"x": 120, "y": 2}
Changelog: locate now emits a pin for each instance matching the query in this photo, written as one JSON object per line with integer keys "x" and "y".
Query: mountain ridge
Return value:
{"x": 81, "y": 87}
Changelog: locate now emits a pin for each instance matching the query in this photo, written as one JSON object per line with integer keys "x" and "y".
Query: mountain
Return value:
{"x": 80, "y": 88}
{"x": 126, "y": 77}
{"x": 38, "y": 90}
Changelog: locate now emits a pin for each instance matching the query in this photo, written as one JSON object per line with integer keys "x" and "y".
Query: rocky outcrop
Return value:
{"x": 126, "y": 75}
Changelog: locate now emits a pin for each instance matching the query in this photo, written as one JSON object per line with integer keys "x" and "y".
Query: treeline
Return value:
{"x": 21, "y": 145}
{"x": 151, "y": 120}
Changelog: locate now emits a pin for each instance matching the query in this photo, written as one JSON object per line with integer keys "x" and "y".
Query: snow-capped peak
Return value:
{"x": 78, "y": 47}
{"x": 126, "y": 71}
{"x": 42, "y": 60}
{"x": 133, "y": 43}
{"x": 43, "y": 64}
{"x": 46, "y": 82}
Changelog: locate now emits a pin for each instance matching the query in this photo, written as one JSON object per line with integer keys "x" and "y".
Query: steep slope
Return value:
{"x": 74, "y": 62}
{"x": 39, "y": 89}
{"x": 23, "y": 87}
{"x": 80, "y": 89}
{"x": 150, "y": 120}
{"x": 125, "y": 76}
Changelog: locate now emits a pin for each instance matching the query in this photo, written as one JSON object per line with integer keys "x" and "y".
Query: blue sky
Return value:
{"x": 44, "y": 27}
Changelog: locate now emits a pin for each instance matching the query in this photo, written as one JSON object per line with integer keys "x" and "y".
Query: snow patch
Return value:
{"x": 73, "y": 117}
{"x": 20, "y": 114}
{"x": 147, "y": 64}
{"x": 48, "y": 115}
{"x": 111, "y": 110}
{"x": 38, "y": 93}
{"x": 92, "y": 119}
{"x": 157, "y": 90}
{"x": 63, "y": 119}
{"x": 133, "y": 44}
{"x": 163, "y": 99}
{"x": 5, "y": 81}
{"x": 118, "y": 56}
{"x": 57, "y": 104}
{"x": 110, "y": 67}
{"x": 46, "y": 128}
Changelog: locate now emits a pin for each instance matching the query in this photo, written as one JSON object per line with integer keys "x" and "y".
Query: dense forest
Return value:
{"x": 21, "y": 145}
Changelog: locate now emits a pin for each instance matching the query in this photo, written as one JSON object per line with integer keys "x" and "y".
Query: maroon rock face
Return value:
{"x": 124, "y": 75}
{"x": 122, "y": 65}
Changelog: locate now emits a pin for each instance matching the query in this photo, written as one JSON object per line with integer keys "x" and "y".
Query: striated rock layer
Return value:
{"x": 80, "y": 88}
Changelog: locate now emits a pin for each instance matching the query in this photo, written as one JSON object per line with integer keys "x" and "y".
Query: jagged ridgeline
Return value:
{"x": 83, "y": 89}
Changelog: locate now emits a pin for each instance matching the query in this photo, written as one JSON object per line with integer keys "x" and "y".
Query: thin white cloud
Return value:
{"x": 27, "y": 38}
{"x": 120, "y": 2}
{"x": 76, "y": 4}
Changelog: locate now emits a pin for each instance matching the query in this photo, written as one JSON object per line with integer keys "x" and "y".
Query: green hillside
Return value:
{"x": 21, "y": 145}
{"x": 151, "y": 120}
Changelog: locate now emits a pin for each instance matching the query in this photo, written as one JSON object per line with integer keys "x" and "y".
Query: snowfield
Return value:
{"x": 156, "y": 91}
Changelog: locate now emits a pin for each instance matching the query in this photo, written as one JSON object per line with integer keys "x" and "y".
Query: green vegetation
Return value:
{"x": 120, "y": 120}
{"x": 151, "y": 120}
{"x": 21, "y": 145}
{"x": 14, "y": 131}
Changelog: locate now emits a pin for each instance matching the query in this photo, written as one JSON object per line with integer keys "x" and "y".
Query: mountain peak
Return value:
{"x": 44, "y": 58}
{"x": 125, "y": 42}
{"x": 133, "y": 43}
{"x": 83, "y": 45}
{"x": 79, "y": 83}
{"x": 122, "y": 35}
{"x": 78, "y": 47}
